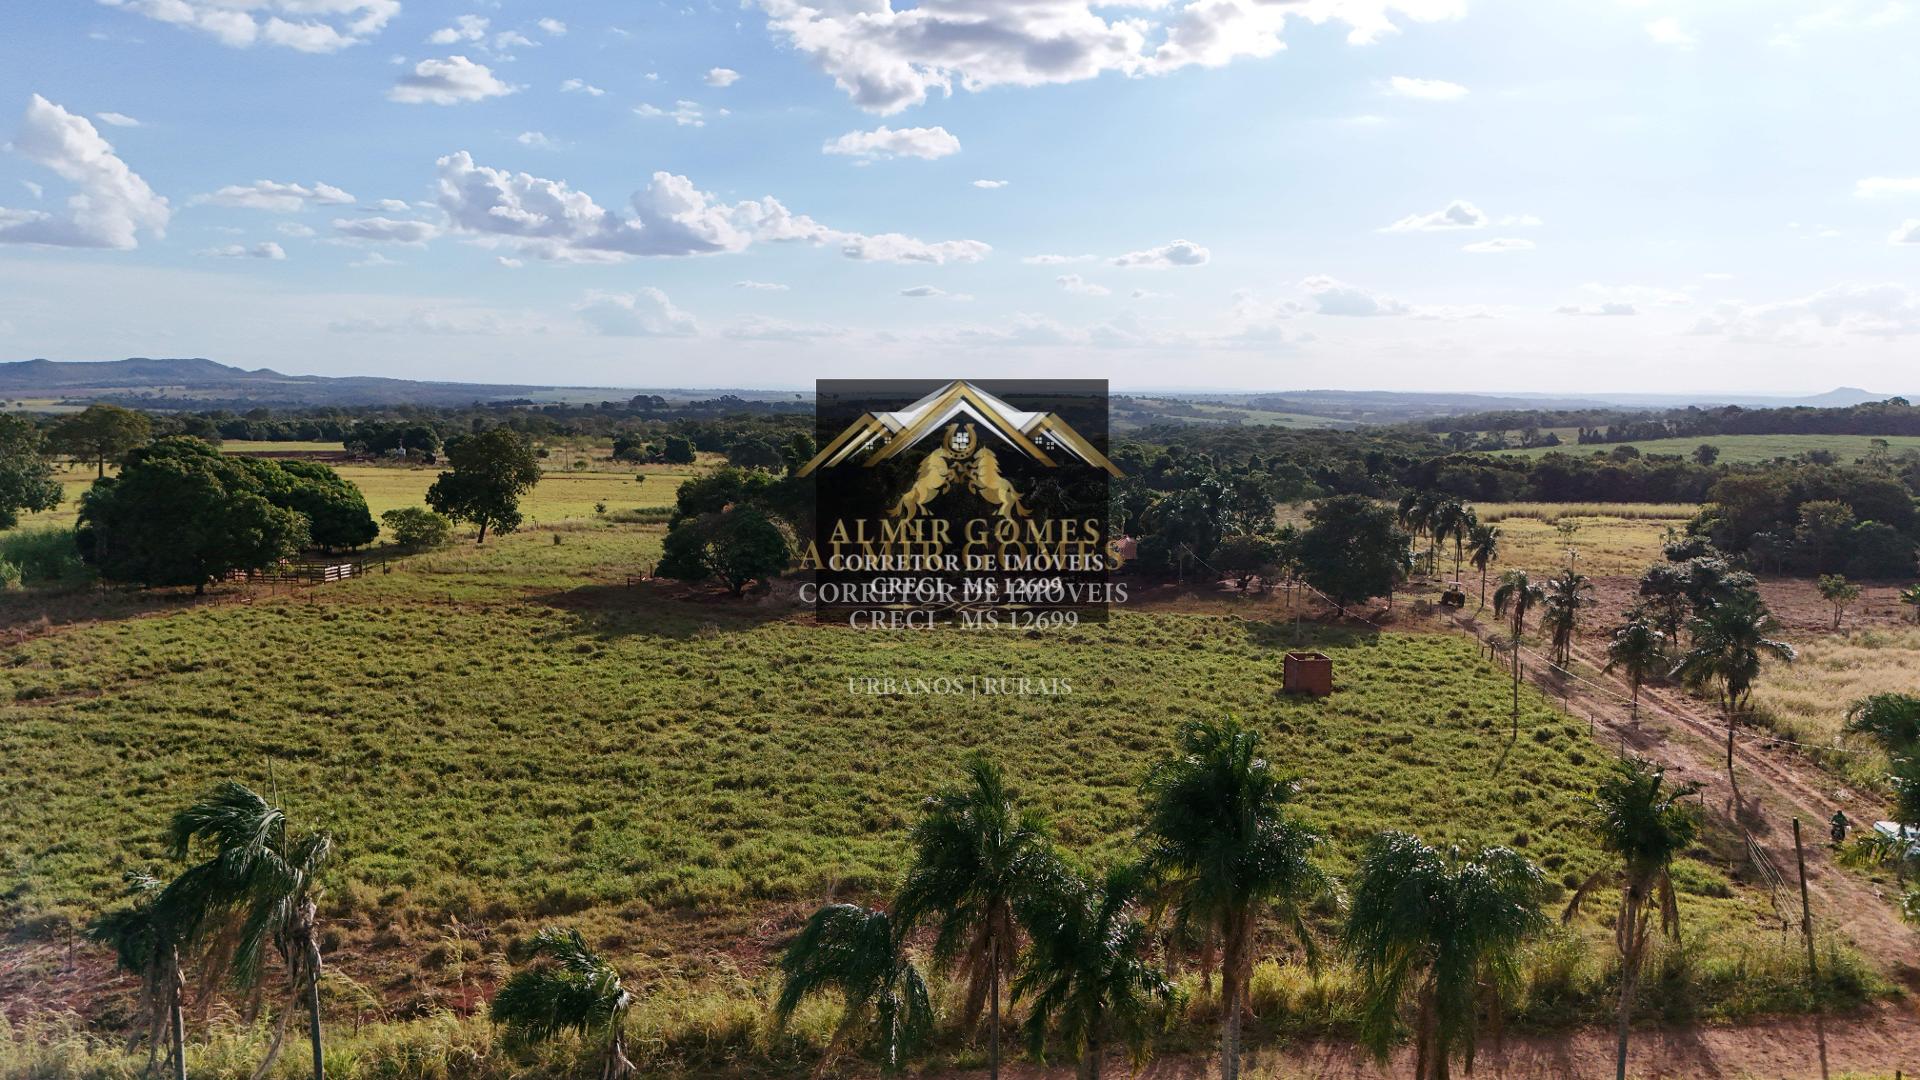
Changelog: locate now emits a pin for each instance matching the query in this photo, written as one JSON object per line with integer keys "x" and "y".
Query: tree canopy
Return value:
{"x": 490, "y": 471}
{"x": 182, "y": 513}
{"x": 26, "y": 476}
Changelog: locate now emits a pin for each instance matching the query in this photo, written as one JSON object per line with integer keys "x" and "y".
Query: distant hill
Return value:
{"x": 196, "y": 383}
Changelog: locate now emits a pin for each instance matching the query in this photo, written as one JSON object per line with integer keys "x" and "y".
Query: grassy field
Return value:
{"x": 511, "y": 733}
{"x": 1736, "y": 449}
{"x": 1610, "y": 539}
{"x": 1807, "y": 700}
{"x": 263, "y": 446}
{"x": 562, "y": 494}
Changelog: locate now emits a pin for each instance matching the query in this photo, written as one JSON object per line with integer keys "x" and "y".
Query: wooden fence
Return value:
{"x": 301, "y": 573}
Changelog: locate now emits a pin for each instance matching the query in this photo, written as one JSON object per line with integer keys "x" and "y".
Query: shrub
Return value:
{"x": 9, "y": 575}
{"x": 45, "y": 556}
{"x": 417, "y": 527}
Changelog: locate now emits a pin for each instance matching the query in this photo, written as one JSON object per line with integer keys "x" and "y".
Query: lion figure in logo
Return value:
{"x": 960, "y": 460}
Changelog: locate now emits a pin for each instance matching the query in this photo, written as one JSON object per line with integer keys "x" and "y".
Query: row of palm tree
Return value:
{"x": 251, "y": 898}
{"x": 1442, "y": 518}
{"x": 1434, "y": 933}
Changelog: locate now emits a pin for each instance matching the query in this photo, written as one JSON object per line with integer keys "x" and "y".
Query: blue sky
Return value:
{"x": 1427, "y": 194}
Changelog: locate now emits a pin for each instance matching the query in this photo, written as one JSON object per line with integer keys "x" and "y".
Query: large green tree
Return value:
{"x": 1437, "y": 933}
{"x": 1647, "y": 824}
{"x": 1223, "y": 850}
{"x": 26, "y": 476}
{"x": 489, "y": 472}
{"x": 738, "y": 545}
{"x": 182, "y": 513}
{"x": 978, "y": 859}
{"x": 100, "y": 433}
{"x": 336, "y": 511}
{"x": 1352, "y": 549}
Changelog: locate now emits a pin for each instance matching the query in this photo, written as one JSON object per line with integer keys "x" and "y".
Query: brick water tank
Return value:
{"x": 1308, "y": 673}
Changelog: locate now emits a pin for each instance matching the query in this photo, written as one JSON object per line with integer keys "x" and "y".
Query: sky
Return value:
{"x": 1654, "y": 196}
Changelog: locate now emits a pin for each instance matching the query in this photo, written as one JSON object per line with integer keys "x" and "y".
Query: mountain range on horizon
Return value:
{"x": 197, "y": 382}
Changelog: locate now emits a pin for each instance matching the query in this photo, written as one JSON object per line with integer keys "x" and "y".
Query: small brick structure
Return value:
{"x": 1308, "y": 673}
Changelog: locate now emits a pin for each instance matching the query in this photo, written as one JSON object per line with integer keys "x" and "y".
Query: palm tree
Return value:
{"x": 1222, "y": 848}
{"x": 1454, "y": 520}
{"x": 1566, "y": 595}
{"x": 1440, "y": 932}
{"x": 1639, "y": 650}
{"x": 1417, "y": 512}
{"x": 1483, "y": 546}
{"x": 146, "y": 936}
{"x": 860, "y": 952}
{"x": 1089, "y": 971}
{"x": 1910, "y": 596}
{"x": 1892, "y": 720}
{"x": 1646, "y": 824}
{"x": 1515, "y": 597}
{"x": 259, "y": 873}
{"x": 977, "y": 857}
{"x": 575, "y": 990}
{"x": 1516, "y": 594}
{"x": 1728, "y": 642}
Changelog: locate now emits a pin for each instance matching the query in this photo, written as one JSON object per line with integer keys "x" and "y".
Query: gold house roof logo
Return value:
{"x": 1042, "y": 436}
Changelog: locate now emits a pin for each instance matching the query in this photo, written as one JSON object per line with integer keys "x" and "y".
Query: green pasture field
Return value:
{"x": 1740, "y": 449}
{"x": 562, "y": 494}
{"x": 514, "y": 729}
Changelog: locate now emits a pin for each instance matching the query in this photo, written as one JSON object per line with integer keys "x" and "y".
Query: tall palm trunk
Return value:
{"x": 1090, "y": 1064}
{"x": 1232, "y": 991}
{"x": 313, "y": 1009}
{"x": 1632, "y": 934}
{"x": 176, "y": 990}
{"x": 993, "y": 1007}
{"x": 1483, "y": 587}
{"x": 1732, "y": 781}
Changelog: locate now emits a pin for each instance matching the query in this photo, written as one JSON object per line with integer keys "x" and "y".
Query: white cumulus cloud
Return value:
{"x": 266, "y": 249}
{"x": 313, "y": 26}
{"x": 1877, "y": 186}
{"x": 448, "y": 82}
{"x": 645, "y": 312}
{"x": 1074, "y": 283}
{"x": 1458, "y": 214}
{"x": 580, "y": 86}
{"x": 1425, "y": 89}
{"x": 464, "y": 28}
{"x": 1908, "y": 232}
{"x": 1330, "y": 296}
{"x": 991, "y": 185}
{"x": 383, "y": 230}
{"x": 112, "y": 204}
{"x": 885, "y": 142}
{"x": 887, "y": 57}
{"x": 722, "y": 76}
{"x": 1178, "y": 253}
{"x": 274, "y": 196}
{"x": 683, "y": 113}
{"x": 669, "y": 217}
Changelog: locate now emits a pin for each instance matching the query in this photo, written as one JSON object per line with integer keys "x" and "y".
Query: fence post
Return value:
{"x": 1806, "y": 914}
